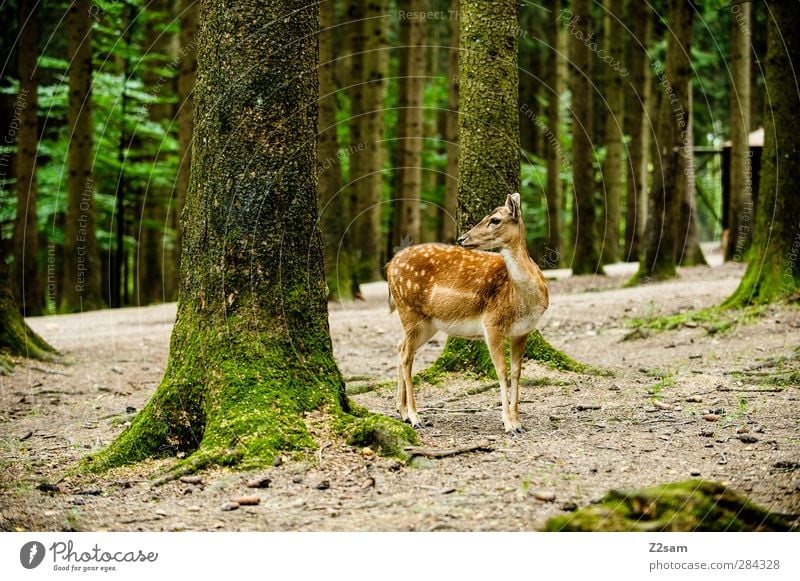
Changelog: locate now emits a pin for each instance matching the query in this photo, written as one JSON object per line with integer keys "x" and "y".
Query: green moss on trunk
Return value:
{"x": 251, "y": 352}
{"x": 692, "y": 505}
{"x": 773, "y": 271}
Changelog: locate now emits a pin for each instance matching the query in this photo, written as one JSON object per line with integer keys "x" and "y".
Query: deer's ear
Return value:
{"x": 513, "y": 205}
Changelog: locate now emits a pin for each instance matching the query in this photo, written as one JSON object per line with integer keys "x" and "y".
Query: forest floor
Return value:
{"x": 646, "y": 423}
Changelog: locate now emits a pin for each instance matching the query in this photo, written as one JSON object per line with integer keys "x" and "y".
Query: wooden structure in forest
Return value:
{"x": 756, "y": 141}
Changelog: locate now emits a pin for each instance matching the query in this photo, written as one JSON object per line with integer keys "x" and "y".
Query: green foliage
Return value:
{"x": 692, "y": 505}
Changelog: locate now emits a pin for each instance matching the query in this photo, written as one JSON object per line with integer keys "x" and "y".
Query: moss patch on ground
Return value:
{"x": 692, "y": 505}
{"x": 713, "y": 319}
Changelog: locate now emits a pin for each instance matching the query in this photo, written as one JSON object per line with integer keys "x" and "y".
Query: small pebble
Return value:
{"x": 544, "y": 496}
{"x": 743, "y": 429}
{"x": 323, "y": 485}
{"x": 193, "y": 508}
{"x": 229, "y": 506}
{"x": 694, "y": 399}
{"x": 259, "y": 482}
{"x": 394, "y": 465}
{"x": 711, "y": 417}
{"x": 569, "y": 506}
{"x": 246, "y": 500}
{"x": 78, "y": 501}
{"x": 368, "y": 483}
{"x": 130, "y": 409}
{"x": 707, "y": 433}
{"x": 277, "y": 461}
{"x": 695, "y": 473}
{"x": 25, "y": 436}
{"x": 161, "y": 512}
{"x": 748, "y": 439}
{"x": 661, "y": 405}
{"x": 191, "y": 479}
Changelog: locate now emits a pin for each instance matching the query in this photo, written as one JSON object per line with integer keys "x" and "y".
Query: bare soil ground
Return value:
{"x": 585, "y": 433}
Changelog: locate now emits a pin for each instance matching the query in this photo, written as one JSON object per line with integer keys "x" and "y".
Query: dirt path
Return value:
{"x": 586, "y": 433}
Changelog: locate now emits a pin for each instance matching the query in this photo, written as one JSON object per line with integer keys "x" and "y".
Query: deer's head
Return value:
{"x": 502, "y": 228}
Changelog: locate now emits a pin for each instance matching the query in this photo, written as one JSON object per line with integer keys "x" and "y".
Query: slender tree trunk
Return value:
{"x": 26, "y": 230}
{"x": 357, "y": 146}
{"x": 451, "y": 129}
{"x": 530, "y": 85}
{"x": 773, "y": 270}
{"x": 553, "y": 251}
{"x": 332, "y": 206}
{"x": 151, "y": 268}
{"x": 82, "y": 263}
{"x": 376, "y": 30}
{"x": 406, "y": 211}
{"x": 688, "y": 250}
{"x": 251, "y": 351}
{"x": 614, "y": 32}
{"x": 187, "y": 73}
{"x": 637, "y": 127}
{"x": 586, "y": 258}
{"x": 740, "y": 215}
{"x": 659, "y": 261}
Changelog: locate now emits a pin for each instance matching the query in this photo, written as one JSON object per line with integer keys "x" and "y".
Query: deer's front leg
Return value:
{"x": 517, "y": 353}
{"x": 494, "y": 340}
{"x": 401, "y": 384}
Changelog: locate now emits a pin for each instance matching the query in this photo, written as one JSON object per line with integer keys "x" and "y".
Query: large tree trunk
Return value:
{"x": 406, "y": 207}
{"x": 451, "y": 131}
{"x": 740, "y": 211}
{"x": 614, "y": 32}
{"x": 658, "y": 261}
{"x": 552, "y": 254}
{"x": 637, "y": 126}
{"x": 82, "y": 262}
{"x": 773, "y": 270}
{"x": 332, "y": 206}
{"x": 187, "y": 73}
{"x": 356, "y": 149}
{"x": 586, "y": 257}
{"x": 369, "y": 238}
{"x": 251, "y": 350}
{"x": 26, "y": 231}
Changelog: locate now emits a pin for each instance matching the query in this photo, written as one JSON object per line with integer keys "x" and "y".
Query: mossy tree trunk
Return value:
{"x": 332, "y": 206}
{"x": 586, "y": 256}
{"x": 773, "y": 270}
{"x": 638, "y": 96}
{"x": 408, "y": 184}
{"x": 664, "y": 206}
{"x": 16, "y": 338}
{"x": 82, "y": 280}
{"x": 740, "y": 211}
{"x": 489, "y": 158}
{"x": 26, "y": 230}
{"x": 614, "y": 33}
{"x": 251, "y": 351}
{"x": 356, "y": 158}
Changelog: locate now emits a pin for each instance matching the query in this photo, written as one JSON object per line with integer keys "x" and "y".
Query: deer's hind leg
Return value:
{"x": 416, "y": 336}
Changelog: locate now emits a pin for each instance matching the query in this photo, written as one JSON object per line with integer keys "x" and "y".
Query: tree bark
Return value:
{"x": 740, "y": 211}
{"x": 251, "y": 351}
{"x": 81, "y": 291}
{"x": 406, "y": 210}
{"x": 451, "y": 129}
{"x": 26, "y": 230}
{"x": 586, "y": 257}
{"x": 369, "y": 240}
{"x": 552, "y": 256}
{"x": 637, "y": 126}
{"x": 773, "y": 270}
{"x": 356, "y": 150}
{"x": 615, "y": 98}
{"x": 488, "y": 152}
{"x": 688, "y": 250}
{"x": 187, "y": 74}
{"x": 658, "y": 262}
{"x": 332, "y": 206}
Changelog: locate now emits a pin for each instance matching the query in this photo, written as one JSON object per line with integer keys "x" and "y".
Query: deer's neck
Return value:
{"x": 519, "y": 265}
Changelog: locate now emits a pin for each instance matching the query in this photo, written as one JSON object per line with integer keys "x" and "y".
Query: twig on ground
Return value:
{"x": 445, "y": 452}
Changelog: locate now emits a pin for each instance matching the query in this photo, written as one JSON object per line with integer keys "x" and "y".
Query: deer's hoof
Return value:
{"x": 519, "y": 430}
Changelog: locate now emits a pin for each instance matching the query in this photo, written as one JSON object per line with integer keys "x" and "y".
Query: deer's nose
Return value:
{"x": 461, "y": 240}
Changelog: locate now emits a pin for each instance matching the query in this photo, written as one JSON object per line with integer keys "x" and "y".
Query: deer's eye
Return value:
{"x": 494, "y": 221}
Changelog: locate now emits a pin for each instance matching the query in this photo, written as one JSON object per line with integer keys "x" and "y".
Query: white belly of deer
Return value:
{"x": 467, "y": 328}
{"x": 525, "y": 324}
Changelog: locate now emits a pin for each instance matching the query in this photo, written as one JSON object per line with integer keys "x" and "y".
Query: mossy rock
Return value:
{"x": 692, "y": 505}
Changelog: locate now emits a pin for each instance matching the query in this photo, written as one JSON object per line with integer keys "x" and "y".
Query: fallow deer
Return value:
{"x": 467, "y": 292}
